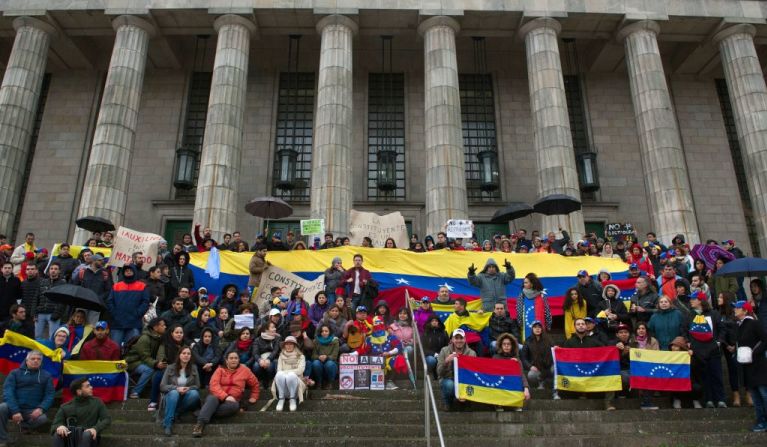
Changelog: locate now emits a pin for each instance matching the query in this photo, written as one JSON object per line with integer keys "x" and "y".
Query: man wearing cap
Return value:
{"x": 93, "y": 276}
{"x": 591, "y": 291}
{"x": 457, "y": 346}
{"x": 100, "y": 347}
{"x": 275, "y": 243}
{"x": 581, "y": 337}
{"x": 729, "y": 245}
{"x": 10, "y": 290}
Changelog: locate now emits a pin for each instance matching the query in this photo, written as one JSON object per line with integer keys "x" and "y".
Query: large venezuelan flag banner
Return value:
{"x": 489, "y": 381}
{"x": 109, "y": 379}
{"x": 660, "y": 370}
{"x": 421, "y": 274}
{"x": 13, "y": 352}
{"x": 587, "y": 370}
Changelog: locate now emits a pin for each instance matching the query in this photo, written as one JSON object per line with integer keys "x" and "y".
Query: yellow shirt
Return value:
{"x": 573, "y": 314}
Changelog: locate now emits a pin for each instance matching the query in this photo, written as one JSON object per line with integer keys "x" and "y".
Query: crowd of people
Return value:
{"x": 179, "y": 339}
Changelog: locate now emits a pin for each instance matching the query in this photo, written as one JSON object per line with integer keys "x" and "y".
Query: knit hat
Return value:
{"x": 63, "y": 329}
{"x": 336, "y": 259}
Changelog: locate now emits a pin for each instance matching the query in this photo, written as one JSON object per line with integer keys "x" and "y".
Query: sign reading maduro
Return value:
{"x": 129, "y": 241}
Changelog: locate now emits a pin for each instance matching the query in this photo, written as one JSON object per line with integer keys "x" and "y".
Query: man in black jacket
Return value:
{"x": 67, "y": 262}
{"x": 591, "y": 291}
{"x": 10, "y": 290}
{"x": 582, "y": 339}
{"x": 31, "y": 294}
{"x": 501, "y": 323}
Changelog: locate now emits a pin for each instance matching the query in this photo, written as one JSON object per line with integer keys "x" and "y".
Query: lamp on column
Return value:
{"x": 287, "y": 169}
{"x": 488, "y": 170}
{"x": 587, "y": 172}
{"x": 186, "y": 160}
{"x": 386, "y": 179}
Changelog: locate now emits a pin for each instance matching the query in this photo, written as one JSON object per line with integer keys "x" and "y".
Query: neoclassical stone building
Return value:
{"x": 159, "y": 113}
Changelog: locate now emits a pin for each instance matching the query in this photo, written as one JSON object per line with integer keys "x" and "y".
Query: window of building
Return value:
{"x": 31, "y": 152}
{"x": 194, "y": 125}
{"x": 577, "y": 114}
{"x": 295, "y": 115}
{"x": 737, "y": 161}
{"x": 386, "y": 136}
{"x": 479, "y": 131}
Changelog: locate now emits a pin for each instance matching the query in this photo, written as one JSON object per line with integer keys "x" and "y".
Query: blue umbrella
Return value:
{"x": 744, "y": 267}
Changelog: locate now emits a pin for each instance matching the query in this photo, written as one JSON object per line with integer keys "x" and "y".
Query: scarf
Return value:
{"x": 267, "y": 336}
{"x": 641, "y": 341}
{"x": 325, "y": 340}
{"x": 533, "y": 310}
{"x": 700, "y": 330}
{"x": 244, "y": 345}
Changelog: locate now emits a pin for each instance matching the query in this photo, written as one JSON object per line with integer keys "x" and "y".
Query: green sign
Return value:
{"x": 311, "y": 227}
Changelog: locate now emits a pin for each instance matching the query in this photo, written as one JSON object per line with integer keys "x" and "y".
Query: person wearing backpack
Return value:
{"x": 96, "y": 278}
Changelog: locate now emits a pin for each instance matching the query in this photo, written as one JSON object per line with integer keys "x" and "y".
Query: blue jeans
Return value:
{"x": 431, "y": 365}
{"x": 265, "y": 375}
{"x": 145, "y": 373}
{"x": 27, "y": 421}
{"x": 189, "y": 401}
{"x": 120, "y": 336}
{"x": 448, "y": 390}
{"x": 154, "y": 396}
{"x": 759, "y": 396}
{"x": 42, "y": 319}
{"x": 324, "y": 372}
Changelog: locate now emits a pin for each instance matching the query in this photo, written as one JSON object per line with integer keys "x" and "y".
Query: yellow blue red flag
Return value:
{"x": 587, "y": 370}
{"x": 660, "y": 370}
{"x": 14, "y": 348}
{"x": 489, "y": 381}
{"x": 109, "y": 379}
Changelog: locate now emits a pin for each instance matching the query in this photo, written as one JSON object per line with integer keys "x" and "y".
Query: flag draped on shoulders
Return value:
{"x": 14, "y": 348}
{"x": 660, "y": 370}
{"x": 490, "y": 381}
{"x": 587, "y": 370}
{"x": 474, "y": 324}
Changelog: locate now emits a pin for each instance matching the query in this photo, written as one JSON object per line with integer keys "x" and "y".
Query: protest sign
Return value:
{"x": 361, "y": 372}
{"x": 127, "y": 242}
{"x": 378, "y": 228}
{"x": 619, "y": 231}
{"x": 312, "y": 227}
{"x": 243, "y": 320}
{"x": 459, "y": 228}
{"x": 286, "y": 281}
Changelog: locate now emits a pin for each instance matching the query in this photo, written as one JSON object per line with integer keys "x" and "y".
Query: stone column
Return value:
{"x": 552, "y": 140}
{"x": 331, "y": 194}
{"x": 106, "y": 180}
{"x": 669, "y": 198}
{"x": 748, "y": 93}
{"x": 19, "y": 96}
{"x": 216, "y": 203}
{"x": 445, "y": 170}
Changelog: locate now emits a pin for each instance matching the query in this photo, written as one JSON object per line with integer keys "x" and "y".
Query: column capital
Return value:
{"x": 741, "y": 28}
{"x": 438, "y": 21}
{"x": 233, "y": 19}
{"x": 541, "y": 22}
{"x": 129, "y": 20}
{"x": 20, "y": 22}
{"x": 337, "y": 19}
{"x": 643, "y": 25}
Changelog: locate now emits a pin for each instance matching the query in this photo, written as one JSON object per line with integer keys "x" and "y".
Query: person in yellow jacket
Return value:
{"x": 574, "y": 308}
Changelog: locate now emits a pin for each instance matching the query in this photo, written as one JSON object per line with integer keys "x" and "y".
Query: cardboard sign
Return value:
{"x": 378, "y": 228}
{"x": 312, "y": 227}
{"x": 361, "y": 372}
{"x": 129, "y": 241}
{"x": 459, "y": 228}
{"x": 243, "y": 320}
{"x": 286, "y": 281}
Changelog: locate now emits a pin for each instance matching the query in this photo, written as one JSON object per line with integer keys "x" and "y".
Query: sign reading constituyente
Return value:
{"x": 378, "y": 228}
{"x": 286, "y": 281}
{"x": 312, "y": 227}
{"x": 129, "y": 241}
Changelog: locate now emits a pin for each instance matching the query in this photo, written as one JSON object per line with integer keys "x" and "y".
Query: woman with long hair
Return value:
{"x": 207, "y": 355}
{"x": 172, "y": 342}
{"x": 180, "y": 386}
{"x": 181, "y": 274}
{"x": 193, "y": 329}
{"x": 574, "y": 307}
{"x": 532, "y": 305}
{"x": 508, "y": 349}
{"x": 325, "y": 357}
{"x": 537, "y": 358}
{"x": 390, "y": 243}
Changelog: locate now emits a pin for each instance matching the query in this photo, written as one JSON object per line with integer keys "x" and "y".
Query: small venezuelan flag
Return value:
{"x": 109, "y": 379}
{"x": 489, "y": 381}
{"x": 587, "y": 370}
{"x": 660, "y": 370}
{"x": 13, "y": 352}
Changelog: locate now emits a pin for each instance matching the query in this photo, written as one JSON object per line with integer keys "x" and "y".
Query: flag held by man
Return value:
{"x": 109, "y": 379}
{"x": 660, "y": 370}
{"x": 587, "y": 370}
{"x": 489, "y": 381}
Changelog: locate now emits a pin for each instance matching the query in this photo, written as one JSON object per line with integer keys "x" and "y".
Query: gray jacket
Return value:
{"x": 492, "y": 288}
{"x": 445, "y": 368}
{"x": 170, "y": 378}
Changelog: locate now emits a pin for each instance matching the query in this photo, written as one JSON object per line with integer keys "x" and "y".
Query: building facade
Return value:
{"x": 158, "y": 114}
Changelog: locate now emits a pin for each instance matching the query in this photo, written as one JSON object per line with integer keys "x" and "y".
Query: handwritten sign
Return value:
{"x": 243, "y": 320}
{"x": 129, "y": 241}
{"x": 312, "y": 227}
{"x": 286, "y": 281}
{"x": 619, "y": 231}
{"x": 378, "y": 228}
{"x": 459, "y": 228}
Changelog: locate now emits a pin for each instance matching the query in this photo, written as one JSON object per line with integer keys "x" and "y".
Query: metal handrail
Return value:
{"x": 428, "y": 391}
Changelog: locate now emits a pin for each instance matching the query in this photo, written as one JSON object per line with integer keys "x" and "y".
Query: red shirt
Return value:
{"x": 96, "y": 349}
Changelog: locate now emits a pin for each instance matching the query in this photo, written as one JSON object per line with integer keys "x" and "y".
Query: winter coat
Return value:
{"x": 434, "y": 339}
{"x": 68, "y": 265}
{"x": 330, "y": 350}
{"x": 263, "y": 346}
{"x": 706, "y": 350}
{"x": 420, "y": 317}
{"x": 445, "y": 368}
{"x": 750, "y": 332}
{"x": 536, "y": 352}
{"x": 95, "y": 349}
{"x": 203, "y": 354}
{"x": 247, "y": 357}
{"x": 156, "y": 291}
{"x": 351, "y": 273}
{"x": 193, "y": 330}
{"x": 586, "y": 342}
{"x": 10, "y": 291}
{"x": 223, "y": 301}
{"x": 181, "y": 277}
{"x": 32, "y": 297}
{"x": 719, "y": 284}
{"x": 316, "y": 312}
{"x": 128, "y": 302}
{"x": 83, "y": 411}
{"x": 492, "y": 288}
{"x": 615, "y": 306}
{"x": 26, "y": 389}
{"x": 99, "y": 281}
{"x": 502, "y": 325}
{"x": 256, "y": 267}
{"x": 295, "y": 363}
{"x": 171, "y": 376}
{"x": 227, "y": 382}
{"x": 666, "y": 325}
{"x": 172, "y": 318}
{"x": 649, "y": 301}
{"x": 559, "y": 244}
{"x": 575, "y": 311}
{"x": 592, "y": 292}
{"x": 145, "y": 351}
{"x": 336, "y": 326}
{"x": 333, "y": 280}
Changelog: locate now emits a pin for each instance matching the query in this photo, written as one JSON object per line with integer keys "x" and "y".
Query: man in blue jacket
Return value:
{"x": 128, "y": 302}
{"x": 28, "y": 393}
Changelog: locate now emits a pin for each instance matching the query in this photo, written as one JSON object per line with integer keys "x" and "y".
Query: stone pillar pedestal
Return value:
{"x": 669, "y": 198}
{"x": 553, "y": 142}
{"x": 215, "y": 205}
{"x": 19, "y": 95}
{"x": 331, "y": 193}
{"x": 445, "y": 170}
{"x": 748, "y": 93}
{"x": 106, "y": 181}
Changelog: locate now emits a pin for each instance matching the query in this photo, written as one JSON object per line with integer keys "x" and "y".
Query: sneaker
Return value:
{"x": 648, "y": 406}
{"x": 759, "y": 428}
{"x": 721, "y": 404}
{"x": 610, "y": 407}
{"x": 197, "y": 430}
{"x": 280, "y": 404}
{"x": 709, "y": 404}
{"x": 152, "y": 406}
{"x": 292, "y": 405}
{"x": 133, "y": 395}
{"x": 518, "y": 409}
{"x": 696, "y": 404}
{"x": 678, "y": 404}
{"x": 556, "y": 396}
{"x": 391, "y": 386}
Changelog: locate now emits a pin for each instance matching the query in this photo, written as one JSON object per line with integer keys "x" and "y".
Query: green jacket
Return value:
{"x": 145, "y": 350}
{"x": 719, "y": 284}
{"x": 330, "y": 350}
{"x": 85, "y": 412}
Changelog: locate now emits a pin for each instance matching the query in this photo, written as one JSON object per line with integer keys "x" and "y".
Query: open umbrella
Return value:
{"x": 512, "y": 211}
{"x": 269, "y": 208}
{"x": 75, "y": 296}
{"x": 95, "y": 223}
{"x": 710, "y": 253}
{"x": 744, "y": 267}
{"x": 556, "y": 204}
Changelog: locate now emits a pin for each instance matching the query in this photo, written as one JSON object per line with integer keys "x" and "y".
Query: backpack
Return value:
{"x": 126, "y": 347}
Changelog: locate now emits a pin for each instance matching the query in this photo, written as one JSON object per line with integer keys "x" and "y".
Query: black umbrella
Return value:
{"x": 95, "y": 223}
{"x": 269, "y": 208}
{"x": 512, "y": 211}
{"x": 556, "y": 204}
{"x": 75, "y": 296}
{"x": 744, "y": 267}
